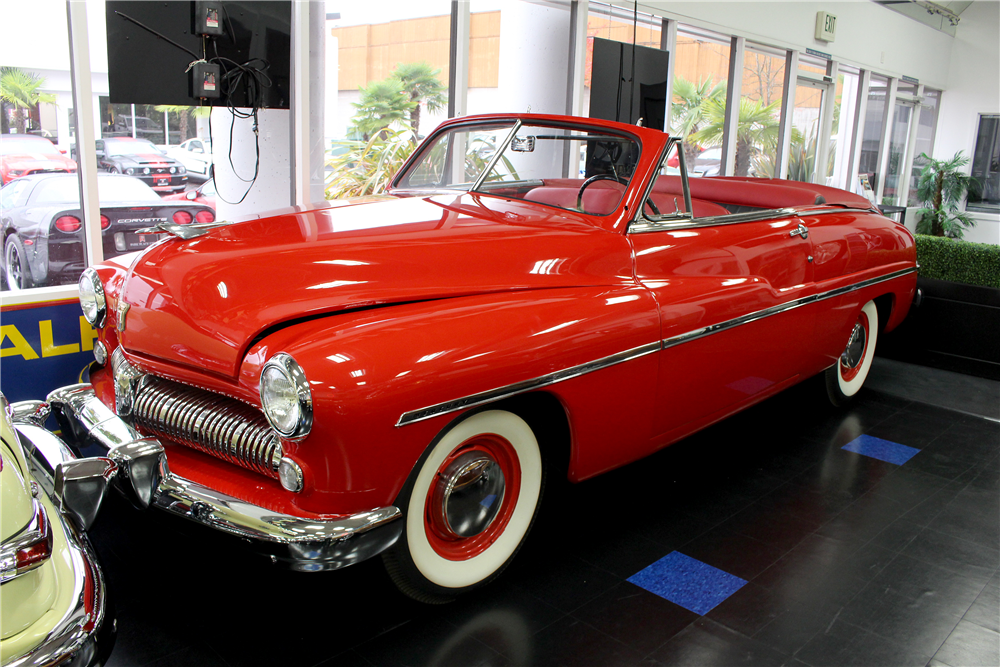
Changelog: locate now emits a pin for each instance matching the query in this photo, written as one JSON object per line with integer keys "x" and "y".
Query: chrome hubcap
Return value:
{"x": 855, "y": 348}
{"x": 468, "y": 494}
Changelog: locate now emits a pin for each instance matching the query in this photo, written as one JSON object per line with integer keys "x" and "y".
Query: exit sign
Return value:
{"x": 826, "y": 26}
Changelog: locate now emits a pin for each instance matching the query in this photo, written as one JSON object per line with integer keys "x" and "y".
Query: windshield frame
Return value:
{"x": 482, "y": 184}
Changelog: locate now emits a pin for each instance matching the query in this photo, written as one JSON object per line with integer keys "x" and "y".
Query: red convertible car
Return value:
{"x": 397, "y": 374}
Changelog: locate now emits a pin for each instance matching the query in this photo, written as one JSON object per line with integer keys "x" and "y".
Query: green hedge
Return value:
{"x": 959, "y": 261}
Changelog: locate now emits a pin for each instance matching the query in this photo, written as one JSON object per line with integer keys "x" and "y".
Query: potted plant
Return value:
{"x": 941, "y": 189}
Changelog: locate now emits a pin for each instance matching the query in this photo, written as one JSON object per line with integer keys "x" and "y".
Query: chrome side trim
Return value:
{"x": 507, "y": 391}
{"x": 648, "y": 225}
{"x": 481, "y": 398}
{"x": 774, "y": 310}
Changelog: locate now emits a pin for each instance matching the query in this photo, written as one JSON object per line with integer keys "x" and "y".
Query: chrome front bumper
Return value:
{"x": 83, "y": 635}
{"x": 144, "y": 478}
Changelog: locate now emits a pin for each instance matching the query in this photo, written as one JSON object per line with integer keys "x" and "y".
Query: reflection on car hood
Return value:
{"x": 201, "y": 302}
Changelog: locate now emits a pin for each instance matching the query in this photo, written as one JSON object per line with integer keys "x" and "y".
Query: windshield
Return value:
{"x": 111, "y": 189}
{"x": 23, "y": 145}
{"x": 132, "y": 147}
{"x": 576, "y": 168}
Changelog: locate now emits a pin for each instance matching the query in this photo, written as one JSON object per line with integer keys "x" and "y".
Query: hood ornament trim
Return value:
{"x": 184, "y": 231}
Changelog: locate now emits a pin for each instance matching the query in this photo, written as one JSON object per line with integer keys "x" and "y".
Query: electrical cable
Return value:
{"x": 163, "y": 37}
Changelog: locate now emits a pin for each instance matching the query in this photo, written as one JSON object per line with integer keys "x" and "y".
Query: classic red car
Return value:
{"x": 396, "y": 374}
{"x": 24, "y": 154}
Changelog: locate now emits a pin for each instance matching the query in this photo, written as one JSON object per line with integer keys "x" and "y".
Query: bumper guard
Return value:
{"x": 144, "y": 478}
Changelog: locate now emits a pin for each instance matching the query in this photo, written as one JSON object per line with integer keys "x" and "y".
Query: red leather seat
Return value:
{"x": 597, "y": 200}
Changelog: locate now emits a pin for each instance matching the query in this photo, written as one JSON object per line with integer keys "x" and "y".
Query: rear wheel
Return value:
{"x": 468, "y": 508}
{"x": 17, "y": 273}
{"x": 845, "y": 378}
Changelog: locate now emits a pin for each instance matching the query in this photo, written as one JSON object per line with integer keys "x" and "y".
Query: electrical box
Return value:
{"x": 208, "y": 18}
{"x": 205, "y": 80}
{"x": 826, "y": 26}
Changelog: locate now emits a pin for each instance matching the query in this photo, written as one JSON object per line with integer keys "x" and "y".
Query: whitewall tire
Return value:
{"x": 468, "y": 507}
{"x": 845, "y": 378}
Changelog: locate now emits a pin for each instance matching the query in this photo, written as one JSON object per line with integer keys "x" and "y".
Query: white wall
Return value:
{"x": 973, "y": 88}
{"x": 868, "y": 35}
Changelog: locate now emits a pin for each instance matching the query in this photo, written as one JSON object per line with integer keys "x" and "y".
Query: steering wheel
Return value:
{"x": 594, "y": 179}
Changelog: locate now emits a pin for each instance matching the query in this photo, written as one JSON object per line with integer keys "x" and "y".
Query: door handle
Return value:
{"x": 801, "y": 230}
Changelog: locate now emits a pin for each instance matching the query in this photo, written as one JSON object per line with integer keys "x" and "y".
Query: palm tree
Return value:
{"x": 184, "y": 113}
{"x": 757, "y": 129}
{"x": 20, "y": 89}
{"x": 422, "y": 85}
{"x": 687, "y": 108}
{"x": 382, "y": 103}
{"x": 941, "y": 188}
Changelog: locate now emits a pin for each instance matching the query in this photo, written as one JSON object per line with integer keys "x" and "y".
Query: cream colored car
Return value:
{"x": 53, "y": 606}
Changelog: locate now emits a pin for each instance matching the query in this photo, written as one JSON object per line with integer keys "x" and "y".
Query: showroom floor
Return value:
{"x": 777, "y": 545}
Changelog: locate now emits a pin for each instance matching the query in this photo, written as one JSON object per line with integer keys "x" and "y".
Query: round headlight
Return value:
{"x": 130, "y": 171}
{"x": 285, "y": 395}
{"x": 145, "y": 170}
{"x": 173, "y": 170}
{"x": 181, "y": 170}
{"x": 92, "y": 301}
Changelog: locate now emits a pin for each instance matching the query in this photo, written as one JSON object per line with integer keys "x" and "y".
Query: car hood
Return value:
{"x": 37, "y": 161}
{"x": 202, "y": 302}
{"x": 145, "y": 159}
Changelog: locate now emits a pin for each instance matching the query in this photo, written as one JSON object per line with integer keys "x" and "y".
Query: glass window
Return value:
{"x": 899, "y": 135}
{"x": 698, "y": 107}
{"x": 804, "y": 144}
{"x": 386, "y": 85}
{"x": 760, "y": 112}
{"x": 35, "y": 141}
{"x": 924, "y": 144}
{"x": 842, "y": 131}
{"x": 387, "y": 74}
{"x": 871, "y": 137}
{"x": 985, "y": 196}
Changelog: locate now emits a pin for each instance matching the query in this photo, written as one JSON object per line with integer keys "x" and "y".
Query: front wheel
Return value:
{"x": 844, "y": 379}
{"x": 469, "y": 507}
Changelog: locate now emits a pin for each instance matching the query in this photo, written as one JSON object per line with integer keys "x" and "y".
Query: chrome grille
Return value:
{"x": 209, "y": 422}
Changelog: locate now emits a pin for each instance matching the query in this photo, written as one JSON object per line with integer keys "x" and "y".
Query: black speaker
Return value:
{"x": 615, "y": 94}
{"x": 146, "y": 69}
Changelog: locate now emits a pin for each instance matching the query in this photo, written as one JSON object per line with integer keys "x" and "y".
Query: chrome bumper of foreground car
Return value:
{"x": 144, "y": 478}
{"x": 84, "y": 634}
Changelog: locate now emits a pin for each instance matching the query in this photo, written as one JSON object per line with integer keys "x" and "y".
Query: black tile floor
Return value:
{"x": 849, "y": 560}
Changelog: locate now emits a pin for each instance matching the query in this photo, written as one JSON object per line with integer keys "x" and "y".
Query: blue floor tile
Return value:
{"x": 687, "y": 582}
{"x": 880, "y": 449}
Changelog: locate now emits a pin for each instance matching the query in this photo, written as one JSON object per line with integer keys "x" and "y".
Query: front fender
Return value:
{"x": 367, "y": 369}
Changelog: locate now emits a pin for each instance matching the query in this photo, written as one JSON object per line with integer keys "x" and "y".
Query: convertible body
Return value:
{"x": 412, "y": 364}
